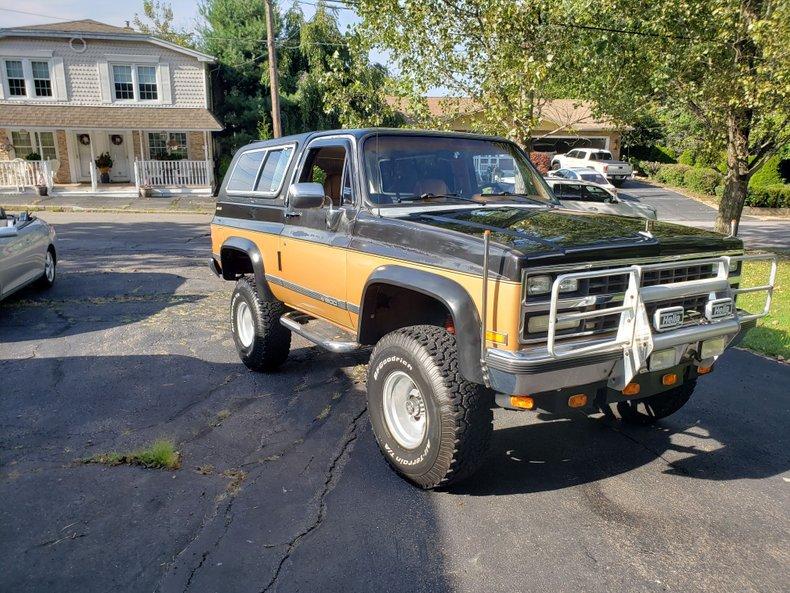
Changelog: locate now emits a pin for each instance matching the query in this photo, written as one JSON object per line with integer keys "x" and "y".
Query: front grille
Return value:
{"x": 603, "y": 286}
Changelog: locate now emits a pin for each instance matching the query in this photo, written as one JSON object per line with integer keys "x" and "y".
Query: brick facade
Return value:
{"x": 5, "y": 141}
{"x": 62, "y": 175}
{"x": 196, "y": 146}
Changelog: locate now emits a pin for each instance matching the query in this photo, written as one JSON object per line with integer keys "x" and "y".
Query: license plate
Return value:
{"x": 718, "y": 308}
{"x": 668, "y": 318}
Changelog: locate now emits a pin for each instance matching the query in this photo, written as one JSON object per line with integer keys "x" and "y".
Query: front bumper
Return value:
{"x": 615, "y": 361}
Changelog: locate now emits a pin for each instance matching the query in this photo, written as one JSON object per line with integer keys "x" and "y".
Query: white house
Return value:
{"x": 71, "y": 91}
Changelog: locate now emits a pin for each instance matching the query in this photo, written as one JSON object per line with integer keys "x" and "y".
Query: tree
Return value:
{"x": 723, "y": 62}
{"x": 504, "y": 55}
{"x": 157, "y": 20}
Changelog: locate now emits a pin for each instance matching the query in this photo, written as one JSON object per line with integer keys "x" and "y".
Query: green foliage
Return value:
{"x": 768, "y": 174}
{"x": 772, "y": 334}
{"x": 159, "y": 454}
{"x": 157, "y": 20}
{"x": 687, "y": 157}
{"x": 702, "y": 180}
{"x": 769, "y": 196}
{"x": 672, "y": 174}
{"x": 33, "y": 156}
{"x": 719, "y": 191}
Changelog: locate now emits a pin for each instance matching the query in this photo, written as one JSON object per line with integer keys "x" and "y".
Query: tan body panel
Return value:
{"x": 341, "y": 274}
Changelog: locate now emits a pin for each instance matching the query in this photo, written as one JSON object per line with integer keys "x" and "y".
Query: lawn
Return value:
{"x": 772, "y": 334}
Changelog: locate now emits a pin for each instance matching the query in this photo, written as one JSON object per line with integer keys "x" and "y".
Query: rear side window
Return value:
{"x": 273, "y": 171}
{"x": 245, "y": 171}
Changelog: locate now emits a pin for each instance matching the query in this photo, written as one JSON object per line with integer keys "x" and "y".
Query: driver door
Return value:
{"x": 313, "y": 243}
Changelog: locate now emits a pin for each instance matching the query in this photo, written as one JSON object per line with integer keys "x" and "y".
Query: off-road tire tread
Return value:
{"x": 466, "y": 405}
{"x": 272, "y": 347}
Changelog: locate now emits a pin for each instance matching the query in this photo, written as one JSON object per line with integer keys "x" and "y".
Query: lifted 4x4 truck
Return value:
{"x": 473, "y": 292}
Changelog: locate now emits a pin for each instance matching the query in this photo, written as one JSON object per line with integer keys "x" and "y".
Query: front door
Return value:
{"x": 119, "y": 153}
{"x": 84, "y": 155}
{"x": 313, "y": 242}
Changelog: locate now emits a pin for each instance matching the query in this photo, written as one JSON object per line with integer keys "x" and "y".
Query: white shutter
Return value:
{"x": 2, "y": 80}
{"x": 104, "y": 81}
{"x": 59, "y": 79}
{"x": 164, "y": 83}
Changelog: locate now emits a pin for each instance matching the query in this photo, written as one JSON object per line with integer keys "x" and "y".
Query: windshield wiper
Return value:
{"x": 507, "y": 194}
{"x": 445, "y": 196}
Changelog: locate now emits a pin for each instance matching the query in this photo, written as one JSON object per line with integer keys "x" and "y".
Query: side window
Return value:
{"x": 325, "y": 165}
{"x": 568, "y": 191}
{"x": 273, "y": 171}
{"x": 593, "y": 156}
{"x": 595, "y": 194}
{"x": 245, "y": 171}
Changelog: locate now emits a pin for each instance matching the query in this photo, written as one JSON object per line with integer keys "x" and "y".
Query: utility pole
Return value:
{"x": 274, "y": 81}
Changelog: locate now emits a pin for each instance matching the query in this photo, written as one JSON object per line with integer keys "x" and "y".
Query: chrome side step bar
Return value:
{"x": 321, "y": 334}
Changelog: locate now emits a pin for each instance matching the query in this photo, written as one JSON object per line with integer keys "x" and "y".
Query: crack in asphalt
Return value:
{"x": 329, "y": 483}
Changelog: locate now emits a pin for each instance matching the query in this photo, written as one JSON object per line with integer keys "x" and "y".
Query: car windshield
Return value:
{"x": 405, "y": 168}
{"x": 593, "y": 177}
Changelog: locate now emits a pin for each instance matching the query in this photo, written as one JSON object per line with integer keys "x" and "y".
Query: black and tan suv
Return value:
{"x": 475, "y": 291}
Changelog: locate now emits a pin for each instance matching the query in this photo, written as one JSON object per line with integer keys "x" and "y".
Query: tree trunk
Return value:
{"x": 736, "y": 182}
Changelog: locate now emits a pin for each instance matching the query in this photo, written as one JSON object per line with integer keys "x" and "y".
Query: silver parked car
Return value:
{"x": 28, "y": 252}
{"x": 583, "y": 195}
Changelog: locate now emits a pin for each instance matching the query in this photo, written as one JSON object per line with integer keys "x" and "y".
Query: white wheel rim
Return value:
{"x": 245, "y": 327}
{"x": 404, "y": 410}
{"x": 49, "y": 266}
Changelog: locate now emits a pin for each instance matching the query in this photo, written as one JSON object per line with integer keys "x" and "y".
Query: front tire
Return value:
{"x": 651, "y": 409}
{"x": 261, "y": 340}
{"x": 432, "y": 425}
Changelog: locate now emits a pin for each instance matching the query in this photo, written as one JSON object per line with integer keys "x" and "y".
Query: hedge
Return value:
{"x": 768, "y": 174}
{"x": 671, "y": 174}
{"x": 769, "y": 196}
{"x": 702, "y": 180}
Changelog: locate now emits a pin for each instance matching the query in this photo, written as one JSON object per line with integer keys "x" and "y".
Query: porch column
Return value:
{"x": 209, "y": 160}
{"x": 94, "y": 173}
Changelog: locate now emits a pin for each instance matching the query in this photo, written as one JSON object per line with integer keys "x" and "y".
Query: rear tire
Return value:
{"x": 432, "y": 425}
{"x": 651, "y": 409}
{"x": 47, "y": 279}
{"x": 261, "y": 340}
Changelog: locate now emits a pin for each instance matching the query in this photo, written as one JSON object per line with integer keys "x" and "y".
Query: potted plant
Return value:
{"x": 104, "y": 164}
{"x": 41, "y": 187}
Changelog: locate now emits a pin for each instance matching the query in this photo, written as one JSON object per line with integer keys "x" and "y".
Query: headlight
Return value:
{"x": 542, "y": 285}
{"x": 540, "y": 324}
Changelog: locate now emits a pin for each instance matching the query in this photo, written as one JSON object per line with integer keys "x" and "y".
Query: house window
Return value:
{"x": 42, "y": 143}
{"x": 134, "y": 83}
{"x": 16, "y": 78}
{"x": 146, "y": 83}
{"x": 42, "y": 85}
{"x": 122, "y": 80}
{"x": 163, "y": 145}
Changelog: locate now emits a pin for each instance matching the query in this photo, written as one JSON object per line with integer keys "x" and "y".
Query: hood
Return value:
{"x": 545, "y": 235}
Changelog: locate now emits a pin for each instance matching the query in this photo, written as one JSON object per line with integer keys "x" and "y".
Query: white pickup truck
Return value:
{"x": 595, "y": 158}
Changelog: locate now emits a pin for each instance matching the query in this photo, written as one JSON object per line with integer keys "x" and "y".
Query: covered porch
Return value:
{"x": 174, "y": 156}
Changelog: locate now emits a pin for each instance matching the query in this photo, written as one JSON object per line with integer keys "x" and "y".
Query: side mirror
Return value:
{"x": 305, "y": 195}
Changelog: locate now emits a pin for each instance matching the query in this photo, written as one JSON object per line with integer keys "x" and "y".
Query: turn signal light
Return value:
{"x": 496, "y": 337}
{"x": 522, "y": 402}
{"x": 704, "y": 370}
{"x": 632, "y": 389}
{"x": 577, "y": 401}
{"x": 669, "y": 379}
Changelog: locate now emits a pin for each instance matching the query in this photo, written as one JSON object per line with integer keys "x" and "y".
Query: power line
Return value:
{"x": 46, "y": 16}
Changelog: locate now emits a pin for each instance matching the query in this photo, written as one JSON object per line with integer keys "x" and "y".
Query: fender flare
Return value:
{"x": 249, "y": 248}
{"x": 448, "y": 292}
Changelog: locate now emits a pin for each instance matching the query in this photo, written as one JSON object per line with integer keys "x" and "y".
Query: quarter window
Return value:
{"x": 245, "y": 171}
{"x": 273, "y": 170}
{"x": 16, "y": 78}
{"x": 42, "y": 85}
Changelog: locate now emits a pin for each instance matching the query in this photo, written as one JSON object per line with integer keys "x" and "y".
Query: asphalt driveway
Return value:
{"x": 282, "y": 488}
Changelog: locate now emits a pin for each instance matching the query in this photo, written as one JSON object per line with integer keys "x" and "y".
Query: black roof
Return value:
{"x": 360, "y": 133}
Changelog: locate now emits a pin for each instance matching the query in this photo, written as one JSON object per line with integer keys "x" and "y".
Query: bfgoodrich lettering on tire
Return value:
{"x": 261, "y": 340}
{"x": 432, "y": 425}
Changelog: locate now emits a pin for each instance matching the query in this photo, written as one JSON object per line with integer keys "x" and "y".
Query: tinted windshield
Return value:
{"x": 405, "y": 168}
{"x": 593, "y": 177}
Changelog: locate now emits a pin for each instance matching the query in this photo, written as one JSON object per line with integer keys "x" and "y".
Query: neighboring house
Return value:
{"x": 71, "y": 91}
{"x": 565, "y": 123}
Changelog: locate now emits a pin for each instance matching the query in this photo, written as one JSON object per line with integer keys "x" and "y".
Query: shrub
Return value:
{"x": 541, "y": 160}
{"x": 687, "y": 157}
{"x": 769, "y": 196}
{"x": 650, "y": 168}
{"x": 33, "y": 156}
{"x": 702, "y": 180}
{"x": 671, "y": 174}
{"x": 768, "y": 174}
{"x": 719, "y": 191}
{"x": 664, "y": 154}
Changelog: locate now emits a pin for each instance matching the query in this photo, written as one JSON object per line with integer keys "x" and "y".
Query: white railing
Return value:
{"x": 20, "y": 174}
{"x": 172, "y": 173}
